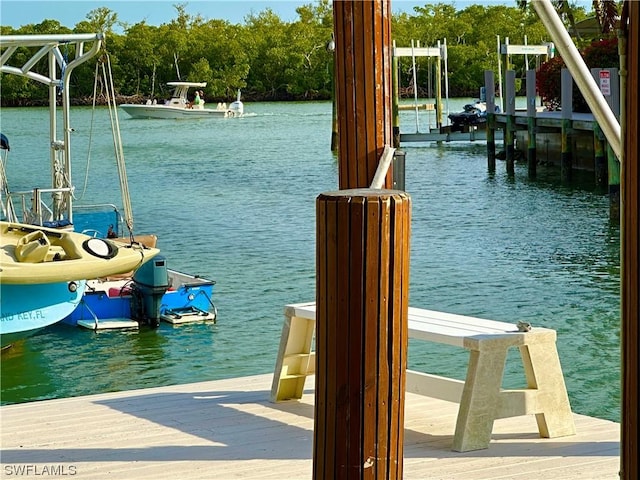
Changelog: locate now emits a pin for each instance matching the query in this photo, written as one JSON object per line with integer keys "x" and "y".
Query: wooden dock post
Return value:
{"x": 510, "y": 129}
{"x": 532, "y": 159}
{"x": 396, "y": 100}
{"x": 334, "y": 112}
{"x": 566, "y": 155}
{"x": 438, "y": 92}
{"x": 489, "y": 88}
{"x": 363, "y": 89}
{"x": 600, "y": 158}
{"x": 614, "y": 184}
{"x": 362, "y": 266}
{"x": 630, "y": 248}
{"x": 361, "y": 333}
{"x": 609, "y": 80}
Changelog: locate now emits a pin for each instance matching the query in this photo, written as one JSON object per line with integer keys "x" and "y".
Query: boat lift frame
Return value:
{"x": 505, "y": 50}
{"x": 440, "y": 53}
{"x": 63, "y": 53}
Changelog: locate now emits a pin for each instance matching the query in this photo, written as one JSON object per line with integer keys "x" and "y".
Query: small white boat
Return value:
{"x": 179, "y": 106}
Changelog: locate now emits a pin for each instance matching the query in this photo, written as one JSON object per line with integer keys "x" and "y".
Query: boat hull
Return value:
{"x": 29, "y": 308}
{"x": 111, "y": 299}
{"x": 170, "y": 112}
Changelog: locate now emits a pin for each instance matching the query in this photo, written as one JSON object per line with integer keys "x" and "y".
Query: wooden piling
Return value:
{"x": 361, "y": 333}
{"x": 510, "y": 128}
{"x": 566, "y": 155}
{"x": 613, "y": 171}
{"x": 334, "y": 110}
{"x": 600, "y": 158}
{"x": 396, "y": 100}
{"x": 532, "y": 156}
{"x": 438, "y": 92}
{"x": 489, "y": 88}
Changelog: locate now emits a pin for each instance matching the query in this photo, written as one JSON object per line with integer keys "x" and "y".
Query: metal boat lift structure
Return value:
{"x": 62, "y": 56}
{"x": 439, "y": 132}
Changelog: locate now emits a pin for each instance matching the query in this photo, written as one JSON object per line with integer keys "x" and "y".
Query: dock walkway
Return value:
{"x": 228, "y": 429}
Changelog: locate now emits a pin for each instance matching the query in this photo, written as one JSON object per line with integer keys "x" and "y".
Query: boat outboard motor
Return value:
{"x": 150, "y": 282}
{"x": 236, "y": 108}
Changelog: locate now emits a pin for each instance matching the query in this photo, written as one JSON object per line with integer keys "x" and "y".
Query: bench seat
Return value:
{"x": 481, "y": 397}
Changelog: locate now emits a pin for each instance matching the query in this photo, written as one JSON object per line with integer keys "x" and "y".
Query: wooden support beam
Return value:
{"x": 362, "y": 266}
{"x": 364, "y": 88}
{"x": 630, "y": 249}
{"x": 361, "y": 333}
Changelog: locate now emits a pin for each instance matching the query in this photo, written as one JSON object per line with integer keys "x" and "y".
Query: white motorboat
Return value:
{"x": 179, "y": 106}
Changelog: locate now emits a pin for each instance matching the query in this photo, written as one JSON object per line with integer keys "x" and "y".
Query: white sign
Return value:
{"x": 524, "y": 49}
{"x": 605, "y": 82}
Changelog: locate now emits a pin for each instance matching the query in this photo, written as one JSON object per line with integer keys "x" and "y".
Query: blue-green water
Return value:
{"x": 234, "y": 200}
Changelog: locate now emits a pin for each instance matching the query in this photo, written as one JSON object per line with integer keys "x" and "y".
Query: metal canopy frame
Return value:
{"x": 63, "y": 53}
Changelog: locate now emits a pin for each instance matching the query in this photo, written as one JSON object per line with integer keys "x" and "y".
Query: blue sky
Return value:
{"x": 16, "y": 13}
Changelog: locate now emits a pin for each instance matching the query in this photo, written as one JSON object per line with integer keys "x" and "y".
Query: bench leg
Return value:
{"x": 295, "y": 360}
{"x": 480, "y": 400}
{"x": 544, "y": 373}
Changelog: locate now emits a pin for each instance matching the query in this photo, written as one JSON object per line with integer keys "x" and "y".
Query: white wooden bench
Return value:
{"x": 481, "y": 397}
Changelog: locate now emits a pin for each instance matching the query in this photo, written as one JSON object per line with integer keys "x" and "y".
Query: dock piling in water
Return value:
{"x": 532, "y": 154}
{"x": 510, "y": 129}
{"x": 566, "y": 156}
{"x": 490, "y": 98}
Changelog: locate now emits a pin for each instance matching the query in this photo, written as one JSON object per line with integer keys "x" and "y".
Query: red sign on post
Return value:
{"x": 605, "y": 82}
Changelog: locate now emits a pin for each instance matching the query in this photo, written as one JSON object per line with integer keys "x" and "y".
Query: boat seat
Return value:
{"x": 33, "y": 247}
{"x": 38, "y": 247}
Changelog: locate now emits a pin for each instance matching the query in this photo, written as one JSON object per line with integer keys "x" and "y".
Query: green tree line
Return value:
{"x": 270, "y": 59}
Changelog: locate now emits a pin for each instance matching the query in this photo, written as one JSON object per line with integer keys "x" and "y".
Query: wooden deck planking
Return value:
{"x": 229, "y": 429}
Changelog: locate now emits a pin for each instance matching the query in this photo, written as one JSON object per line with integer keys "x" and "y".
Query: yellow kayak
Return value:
{"x": 32, "y": 254}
